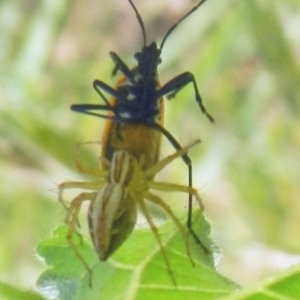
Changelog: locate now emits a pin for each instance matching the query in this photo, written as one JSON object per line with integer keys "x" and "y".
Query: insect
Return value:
{"x": 119, "y": 191}
{"x": 134, "y": 115}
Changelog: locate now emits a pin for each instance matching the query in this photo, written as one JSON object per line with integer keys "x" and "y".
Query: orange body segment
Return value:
{"x": 134, "y": 137}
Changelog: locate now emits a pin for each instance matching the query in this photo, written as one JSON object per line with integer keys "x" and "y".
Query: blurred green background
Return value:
{"x": 245, "y": 57}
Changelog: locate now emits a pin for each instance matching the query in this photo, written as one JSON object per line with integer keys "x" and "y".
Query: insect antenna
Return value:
{"x": 177, "y": 23}
{"x": 140, "y": 21}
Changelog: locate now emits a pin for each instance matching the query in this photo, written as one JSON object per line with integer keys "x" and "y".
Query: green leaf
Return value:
{"x": 8, "y": 292}
{"x": 285, "y": 286}
{"x": 136, "y": 271}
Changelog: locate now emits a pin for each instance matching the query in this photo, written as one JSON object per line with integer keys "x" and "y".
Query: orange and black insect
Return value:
{"x": 135, "y": 112}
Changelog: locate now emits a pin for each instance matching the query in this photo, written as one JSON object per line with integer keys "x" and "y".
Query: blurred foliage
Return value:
{"x": 245, "y": 57}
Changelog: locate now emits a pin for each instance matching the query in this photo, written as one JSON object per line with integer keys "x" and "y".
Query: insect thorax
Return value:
{"x": 139, "y": 101}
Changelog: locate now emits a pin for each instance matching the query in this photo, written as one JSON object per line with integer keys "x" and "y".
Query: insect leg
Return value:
{"x": 165, "y": 186}
{"x": 89, "y": 108}
{"x": 154, "y": 229}
{"x": 100, "y": 85}
{"x": 173, "y": 86}
{"x": 157, "y": 200}
{"x": 164, "y": 162}
{"x": 98, "y": 90}
{"x": 188, "y": 162}
{"x": 71, "y": 220}
{"x": 120, "y": 65}
{"x": 184, "y": 157}
{"x": 78, "y": 185}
